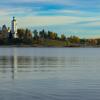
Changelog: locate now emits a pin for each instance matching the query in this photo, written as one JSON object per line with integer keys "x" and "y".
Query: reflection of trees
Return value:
{"x": 5, "y": 60}
{"x": 24, "y": 60}
{"x": 5, "y": 63}
{"x": 17, "y": 64}
{"x": 27, "y": 60}
{"x": 73, "y": 61}
{"x": 8, "y": 64}
{"x": 49, "y": 61}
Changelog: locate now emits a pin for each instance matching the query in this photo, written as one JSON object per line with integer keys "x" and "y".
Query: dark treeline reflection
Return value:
{"x": 28, "y": 61}
{"x": 17, "y": 64}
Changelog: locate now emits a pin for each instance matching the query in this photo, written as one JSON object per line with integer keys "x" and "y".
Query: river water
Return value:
{"x": 49, "y": 73}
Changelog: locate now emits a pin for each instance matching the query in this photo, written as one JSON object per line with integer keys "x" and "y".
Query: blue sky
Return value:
{"x": 71, "y": 17}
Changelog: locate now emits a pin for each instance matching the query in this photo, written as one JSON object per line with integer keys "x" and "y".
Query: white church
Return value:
{"x": 14, "y": 27}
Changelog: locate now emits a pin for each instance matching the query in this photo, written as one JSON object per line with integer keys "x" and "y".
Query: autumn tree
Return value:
{"x": 21, "y": 33}
{"x": 28, "y": 34}
{"x": 98, "y": 41}
{"x": 52, "y": 35}
{"x": 43, "y": 34}
{"x": 63, "y": 37}
{"x": 74, "y": 39}
{"x": 92, "y": 42}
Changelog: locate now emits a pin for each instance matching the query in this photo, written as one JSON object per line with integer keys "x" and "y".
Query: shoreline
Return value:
{"x": 30, "y": 46}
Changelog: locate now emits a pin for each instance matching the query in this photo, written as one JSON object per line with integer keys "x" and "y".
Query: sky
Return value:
{"x": 70, "y": 17}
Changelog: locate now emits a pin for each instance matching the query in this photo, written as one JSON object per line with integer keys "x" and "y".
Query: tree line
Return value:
{"x": 45, "y": 38}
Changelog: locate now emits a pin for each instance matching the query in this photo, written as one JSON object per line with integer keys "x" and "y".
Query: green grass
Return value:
{"x": 50, "y": 43}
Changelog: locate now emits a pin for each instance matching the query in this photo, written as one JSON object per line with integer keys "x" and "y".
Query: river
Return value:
{"x": 49, "y": 73}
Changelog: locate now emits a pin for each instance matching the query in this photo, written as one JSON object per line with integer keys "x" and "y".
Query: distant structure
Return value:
{"x": 4, "y": 31}
{"x": 14, "y": 28}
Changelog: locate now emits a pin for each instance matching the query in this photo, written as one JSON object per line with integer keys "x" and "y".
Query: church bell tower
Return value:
{"x": 14, "y": 27}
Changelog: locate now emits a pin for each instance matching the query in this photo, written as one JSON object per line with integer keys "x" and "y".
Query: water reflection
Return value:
{"x": 16, "y": 64}
{"x": 49, "y": 74}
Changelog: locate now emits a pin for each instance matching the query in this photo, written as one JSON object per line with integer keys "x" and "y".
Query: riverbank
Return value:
{"x": 48, "y": 43}
{"x": 42, "y": 46}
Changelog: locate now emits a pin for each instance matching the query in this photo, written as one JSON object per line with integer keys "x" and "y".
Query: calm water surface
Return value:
{"x": 49, "y": 74}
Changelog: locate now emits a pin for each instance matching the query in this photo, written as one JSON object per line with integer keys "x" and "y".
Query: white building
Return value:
{"x": 14, "y": 27}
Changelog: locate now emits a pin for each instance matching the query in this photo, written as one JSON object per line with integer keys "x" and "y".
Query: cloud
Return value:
{"x": 18, "y": 12}
{"x": 55, "y": 20}
{"x": 59, "y": 12}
